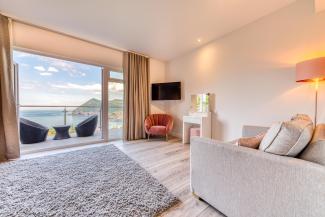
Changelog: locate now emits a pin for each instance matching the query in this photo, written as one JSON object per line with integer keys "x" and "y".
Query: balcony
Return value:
{"x": 50, "y": 116}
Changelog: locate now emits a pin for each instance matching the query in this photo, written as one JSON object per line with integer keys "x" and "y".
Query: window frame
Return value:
{"x": 104, "y": 79}
{"x": 109, "y": 79}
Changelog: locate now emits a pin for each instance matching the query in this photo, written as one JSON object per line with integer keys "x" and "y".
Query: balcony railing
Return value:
{"x": 50, "y": 115}
{"x": 66, "y": 114}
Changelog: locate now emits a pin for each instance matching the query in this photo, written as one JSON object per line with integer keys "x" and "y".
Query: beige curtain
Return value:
{"x": 136, "y": 95}
{"x": 9, "y": 142}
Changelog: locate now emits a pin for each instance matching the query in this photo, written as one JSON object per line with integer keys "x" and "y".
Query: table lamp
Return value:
{"x": 311, "y": 71}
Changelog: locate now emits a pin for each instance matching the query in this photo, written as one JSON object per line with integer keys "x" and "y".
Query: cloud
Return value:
{"x": 24, "y": 65}
{"x": 20, "y": 54}
{"x": 39, "y": 68}
{"x": 52, "y": 69}
{"x": 73, "y": 69}
{"x": 116, "y": 87}
{"x": 45, "y": 73}
{"x": 27, "y": 86}
{"x": 89, "y": 87}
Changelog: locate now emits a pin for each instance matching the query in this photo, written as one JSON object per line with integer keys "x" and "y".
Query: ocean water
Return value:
{"x": 50, "y": 118}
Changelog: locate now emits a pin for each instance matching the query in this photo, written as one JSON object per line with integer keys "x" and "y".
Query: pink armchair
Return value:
{"x": 158, "y": 124}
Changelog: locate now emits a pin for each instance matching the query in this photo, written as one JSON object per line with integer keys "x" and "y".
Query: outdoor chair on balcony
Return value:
{"x": 31, "y": 132}
{"x": 87, "y": 127}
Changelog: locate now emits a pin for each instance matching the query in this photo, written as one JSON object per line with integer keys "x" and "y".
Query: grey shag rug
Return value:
{"x": 100, "y": 181}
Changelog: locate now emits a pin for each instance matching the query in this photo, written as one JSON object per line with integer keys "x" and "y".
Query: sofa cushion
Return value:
{"x": 301, "y": 117}
{"x": 251, "y": 142}
{"x": 288, "y": 138}
{"x": 315, "y": 150}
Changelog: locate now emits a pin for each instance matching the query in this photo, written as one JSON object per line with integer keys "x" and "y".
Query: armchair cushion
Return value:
{"x": 158, "y": 130}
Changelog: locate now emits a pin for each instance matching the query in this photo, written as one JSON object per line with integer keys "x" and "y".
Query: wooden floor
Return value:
{"x": 169, "y": 163}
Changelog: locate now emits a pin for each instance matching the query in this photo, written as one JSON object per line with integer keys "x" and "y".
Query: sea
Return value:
{"x": 50, "y": 118}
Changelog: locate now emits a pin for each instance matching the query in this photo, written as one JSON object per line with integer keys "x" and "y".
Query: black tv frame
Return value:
{"x": 159, "y": 91}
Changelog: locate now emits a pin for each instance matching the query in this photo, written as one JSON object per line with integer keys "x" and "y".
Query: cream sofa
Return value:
{"x": 244, "y": 182}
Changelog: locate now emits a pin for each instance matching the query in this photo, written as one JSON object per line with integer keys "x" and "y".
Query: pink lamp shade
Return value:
{"x": 311, "y": 70}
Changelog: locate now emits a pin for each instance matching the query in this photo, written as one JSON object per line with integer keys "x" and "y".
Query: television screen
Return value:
{"x": 166, "y": 91}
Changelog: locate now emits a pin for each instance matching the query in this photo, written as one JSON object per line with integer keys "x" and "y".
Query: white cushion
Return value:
{"x": 315, "y": 151}
{"x": 288, "y": 138}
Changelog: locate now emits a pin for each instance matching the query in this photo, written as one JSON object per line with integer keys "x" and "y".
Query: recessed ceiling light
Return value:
{"x": 199, "y": 40}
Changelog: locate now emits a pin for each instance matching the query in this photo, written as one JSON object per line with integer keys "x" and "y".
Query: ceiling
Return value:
{"x": 163, "y": 29}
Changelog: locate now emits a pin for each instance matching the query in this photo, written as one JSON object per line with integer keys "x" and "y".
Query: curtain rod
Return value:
{"x": 72, "y": 36}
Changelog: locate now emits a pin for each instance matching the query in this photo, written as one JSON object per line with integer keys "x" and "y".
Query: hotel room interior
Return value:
{"x": 189, "y": 108}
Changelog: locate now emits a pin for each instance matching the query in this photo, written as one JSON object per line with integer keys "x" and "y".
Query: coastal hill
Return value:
{"x": 93, "y": 106}
{"x": 117, "y": 104}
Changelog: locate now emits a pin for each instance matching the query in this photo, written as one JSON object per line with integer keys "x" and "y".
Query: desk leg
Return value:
{"x": 186, "y": 134}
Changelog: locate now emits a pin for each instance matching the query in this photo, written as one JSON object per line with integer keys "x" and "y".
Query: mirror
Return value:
{"x": 200, "y": 103}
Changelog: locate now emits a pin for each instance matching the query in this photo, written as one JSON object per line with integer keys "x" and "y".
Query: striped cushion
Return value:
{"x": 288, "y": 138}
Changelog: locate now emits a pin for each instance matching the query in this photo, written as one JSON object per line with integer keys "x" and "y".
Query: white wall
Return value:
{"x": 157, "y": 75}
{"x": 40, "y": 40}
{"x": 251, "y": 72}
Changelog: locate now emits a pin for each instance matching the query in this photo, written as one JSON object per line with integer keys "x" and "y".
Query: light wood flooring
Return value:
{"x": 169, "y": 163}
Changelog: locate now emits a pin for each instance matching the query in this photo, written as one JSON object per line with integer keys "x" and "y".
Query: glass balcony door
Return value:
{"x": 52, "y": 92}
{"x": 115, "y": 105}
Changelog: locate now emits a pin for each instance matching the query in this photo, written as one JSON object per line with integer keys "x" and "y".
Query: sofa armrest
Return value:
{"x": 239, "y": 181}
{"x": 249, "y": 131}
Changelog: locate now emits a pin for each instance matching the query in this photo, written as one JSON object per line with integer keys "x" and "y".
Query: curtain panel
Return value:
{"x": 136, "y": 95}
{"x": 9, "y": 142}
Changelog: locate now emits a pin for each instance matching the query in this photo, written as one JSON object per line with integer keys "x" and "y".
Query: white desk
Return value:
{"x": 201, "y": 119}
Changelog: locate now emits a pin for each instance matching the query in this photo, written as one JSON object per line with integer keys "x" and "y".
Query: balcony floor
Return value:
{"x": 74, "y": 141}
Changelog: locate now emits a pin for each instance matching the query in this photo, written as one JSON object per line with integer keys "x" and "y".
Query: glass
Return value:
{"x": 116, "y": 75}
{"x": 55, "y": 92}
{"x": 115, "y": 110}
{"x": 50, "y": 116}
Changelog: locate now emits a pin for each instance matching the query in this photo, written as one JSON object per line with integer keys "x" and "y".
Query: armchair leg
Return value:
{"x": 167, "y": 137}
{"x": 148, "y": 136}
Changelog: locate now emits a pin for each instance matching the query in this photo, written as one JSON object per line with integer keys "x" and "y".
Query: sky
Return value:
{"x": 49, "y": 81}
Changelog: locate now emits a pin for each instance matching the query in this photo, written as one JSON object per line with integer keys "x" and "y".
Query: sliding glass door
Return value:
{"x": 58, "y": 93}
{"x": 115, "y": 105}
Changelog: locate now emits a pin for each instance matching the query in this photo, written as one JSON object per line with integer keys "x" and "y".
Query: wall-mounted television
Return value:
{"x": 166, "y": 91}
